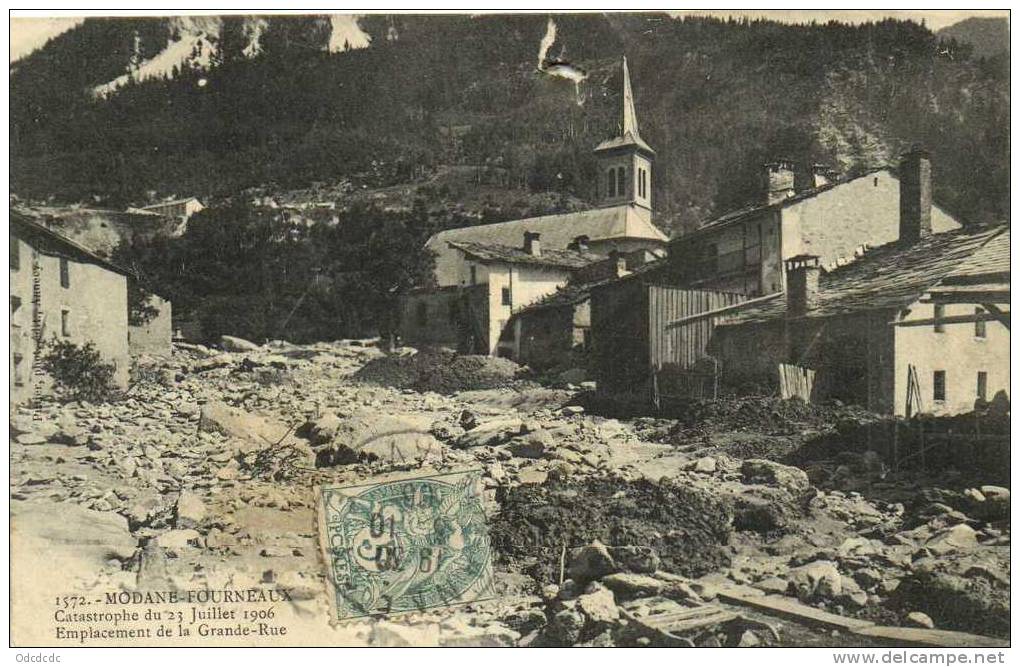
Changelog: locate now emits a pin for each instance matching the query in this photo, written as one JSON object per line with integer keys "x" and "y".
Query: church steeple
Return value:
{"x": 625, "y": 161}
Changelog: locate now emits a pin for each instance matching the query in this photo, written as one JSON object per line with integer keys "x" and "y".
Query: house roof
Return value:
{"x": 599, "y": 224}
{"x": 50, "y": 242}
{"x": 493, "y": 252}
{"x": 753, "y": 210}
{"x": 987, "y": 265}
{"x": 889, "y": 276}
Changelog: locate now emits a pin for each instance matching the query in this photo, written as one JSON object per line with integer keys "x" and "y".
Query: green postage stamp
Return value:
{"x": 405, "y": 545}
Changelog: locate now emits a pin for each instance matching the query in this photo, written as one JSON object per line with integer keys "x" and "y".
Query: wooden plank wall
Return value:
{"x": 681, "y": 347}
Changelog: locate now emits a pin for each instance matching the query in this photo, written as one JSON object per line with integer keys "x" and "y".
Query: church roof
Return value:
{"x": 494, "y": 252}
{"x": 557, "y": 231}
{"x": 629, "y": 134}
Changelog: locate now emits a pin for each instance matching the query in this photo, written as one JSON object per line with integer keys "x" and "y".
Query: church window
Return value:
{"x": 621, "y": 184}
{"x": 611, "y": 190}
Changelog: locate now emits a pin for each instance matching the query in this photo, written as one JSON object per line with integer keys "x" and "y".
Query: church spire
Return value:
{"x": 625, "y": 161}
{"x": 629, "y": 115}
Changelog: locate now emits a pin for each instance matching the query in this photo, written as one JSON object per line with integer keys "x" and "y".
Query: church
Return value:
{"x": 486, "y": 273}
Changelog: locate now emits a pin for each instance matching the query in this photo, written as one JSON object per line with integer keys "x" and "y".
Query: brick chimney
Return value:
{"x": 802, "y": 274}
{"x": 532, "y": 245}
{"x": 778, "y": 180}
{"x": 915, "y": 195}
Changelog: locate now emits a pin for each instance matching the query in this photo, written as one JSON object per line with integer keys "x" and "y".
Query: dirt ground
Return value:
{"x": 203, "y": 477}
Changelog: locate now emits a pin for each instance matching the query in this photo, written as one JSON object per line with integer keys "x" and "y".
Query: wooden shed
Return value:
{"x": 650, "y": 341}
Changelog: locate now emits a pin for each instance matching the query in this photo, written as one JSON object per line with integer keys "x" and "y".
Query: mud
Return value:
{"x": 685, "y": 526}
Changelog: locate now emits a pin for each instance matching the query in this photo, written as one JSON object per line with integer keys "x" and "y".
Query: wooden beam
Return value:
{"x": 721, "y": 311}
{"x": 998, "y": 313}
{"x": 951, "y": 319}
{"x": 980, "y": 296}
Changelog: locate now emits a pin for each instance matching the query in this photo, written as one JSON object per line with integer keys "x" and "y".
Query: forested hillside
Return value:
{"x": 715, "y": 99}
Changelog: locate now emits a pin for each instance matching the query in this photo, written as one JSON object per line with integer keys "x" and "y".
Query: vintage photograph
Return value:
{"x": 542, "y": 329}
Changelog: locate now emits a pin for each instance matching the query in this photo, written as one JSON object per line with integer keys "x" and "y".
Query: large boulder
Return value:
{"x": 955, "y": 538}
{"x": 190, "y": 511}
{"x": 67, "y": 538}
{"x": 491, "y": 433}
{"x": 591, "y": 562}
{"x": 251, "y": 432}
{"x": 818, "y": 579}
{"x": 370, "y": 436}
{"x": 763, "y": 471}
{"x": 235, "y": 344}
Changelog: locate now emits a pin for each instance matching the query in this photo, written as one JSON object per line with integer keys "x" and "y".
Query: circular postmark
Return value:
{"x": 407, "y": 545}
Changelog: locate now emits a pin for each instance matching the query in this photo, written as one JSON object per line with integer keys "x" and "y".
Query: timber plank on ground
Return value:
{"x": 931, "y": 638}
{"x": 793, "y": 610}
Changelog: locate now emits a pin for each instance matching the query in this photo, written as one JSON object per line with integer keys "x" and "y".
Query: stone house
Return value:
{"x": 919, "y": 325}
{"x": 496, "y": 281}
{"x": 834, "y": 219}
{"x": 59, "y": 289}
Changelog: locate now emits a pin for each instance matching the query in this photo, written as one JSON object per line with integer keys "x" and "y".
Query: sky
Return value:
{"x": 31, "y": 33}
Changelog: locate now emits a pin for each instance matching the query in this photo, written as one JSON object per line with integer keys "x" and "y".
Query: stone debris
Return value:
{"x": 205, "y": 476}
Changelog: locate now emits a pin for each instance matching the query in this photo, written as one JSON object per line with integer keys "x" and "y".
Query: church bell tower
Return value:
{"x": 625, "y": 161}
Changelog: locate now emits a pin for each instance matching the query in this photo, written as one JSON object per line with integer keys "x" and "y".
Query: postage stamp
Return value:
{"x": 405, "y": 545}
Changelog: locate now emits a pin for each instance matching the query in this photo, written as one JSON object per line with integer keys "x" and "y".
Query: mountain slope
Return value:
{"x": 989, "y": 37}
{"x": 715, "y": 99}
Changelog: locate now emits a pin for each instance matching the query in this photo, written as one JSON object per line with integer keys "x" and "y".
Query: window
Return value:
{"x": 506, "y": 300}
{"x": 65, "y": 273}
{"x": 874, "y": 182}
{"x": 940, "y": 312}
{"x": 586, "y": 344}
{"x": 938, "y": 383}
{"x": 423, "y": 313}
{"x": 15, "y": 253}
{"x": 611, "y": 189}
{"x": 474, "y": 274}
{"x": 980, "y": 326}
{"x": 65, "y": 322}
{"x": 621, "y": 183}
{"x": 982, "y": 385}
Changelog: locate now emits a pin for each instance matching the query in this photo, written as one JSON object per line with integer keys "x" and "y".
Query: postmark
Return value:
{"x": 405, "y": 545}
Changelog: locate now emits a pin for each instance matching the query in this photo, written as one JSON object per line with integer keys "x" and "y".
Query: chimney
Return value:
{"x": 822, "y": 175}
{"x": 580, "y": 243}
{"x": 915, "y": 195}
{"x": 532, "y": 245}
{"x": 802, "y": 274}
{"x": 617, "y": 263}
{"x": 779, "y": 181}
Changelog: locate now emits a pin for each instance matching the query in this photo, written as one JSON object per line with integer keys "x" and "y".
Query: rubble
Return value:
{"x": 208, "y": 479}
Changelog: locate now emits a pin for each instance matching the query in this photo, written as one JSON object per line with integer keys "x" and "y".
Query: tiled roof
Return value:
{"x": 754, "y": 209}
{"x": 628, "y": 139}
{"x": 50, "y": 242}
{"x": 493, "y": 252}
{"x": 991, "y": 260}
{"x": 889, "y": 276}
{"x": 558, "y": 230}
